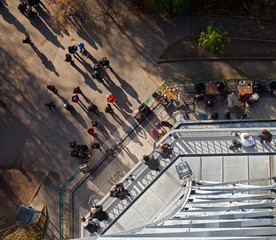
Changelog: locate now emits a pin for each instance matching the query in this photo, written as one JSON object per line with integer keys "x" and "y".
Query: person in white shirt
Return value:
{"x": 247, "y": 139}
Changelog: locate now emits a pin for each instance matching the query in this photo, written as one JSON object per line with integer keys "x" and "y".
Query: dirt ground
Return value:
{"x": 188, "y": 48}
{"x": 18, "y": 186}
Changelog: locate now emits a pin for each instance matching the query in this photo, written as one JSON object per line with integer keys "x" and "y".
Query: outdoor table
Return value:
{"x": 211, "y": 88}
{"x": 246, "y": 86}
{"x": 169, "y": 90}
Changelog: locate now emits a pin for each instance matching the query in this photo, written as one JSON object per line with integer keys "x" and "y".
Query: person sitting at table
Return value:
{"x": 209, "y": 100}
{"x": 200, "y": 88}
{"x": 243, "y": 97}
{"x": 157, "y": 96}
{"x": 220, "y": 86}
{"x": 272, "y": 87}
{"x": 258, "y": 87}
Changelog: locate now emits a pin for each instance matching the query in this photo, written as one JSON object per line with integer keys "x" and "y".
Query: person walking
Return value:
{"x": 27, "y": 40}
{"x": 93, "y": 108}
{"x": 110, "y": 98}
{"x": 50, "y": 104}
{"x": 72, "y": 49}
{"x": 152, "y": 163}
{"x": 265, "y": 136}
{"x": 96, "y": 146}
{"x": 77, "y": 90}
{"x": 75, "y": 98}
{"x": 94, "y": 123}
{"x": 81, "y": 46}
{"x": 109, "y": 109}
{"x": 104, "y": 62}
{"x": 52, "y": 88}
{"x": 119, "y": 191}
{"x": 91, "y": 131}
{"x": 247, "y": 139}
{"x": 98, "y": 213}
{"x": 68, "y": 58}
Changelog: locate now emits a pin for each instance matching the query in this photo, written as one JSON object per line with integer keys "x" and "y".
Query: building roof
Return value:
{"x": 160, "y": 198}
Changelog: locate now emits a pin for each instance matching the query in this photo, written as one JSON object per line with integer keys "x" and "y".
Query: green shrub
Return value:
{"x": 214, "y": 39}
{"x": 173, "y": 7}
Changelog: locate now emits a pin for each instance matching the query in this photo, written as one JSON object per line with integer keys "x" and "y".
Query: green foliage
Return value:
{"x": 214, "y": 39}
{"x": 173, "y": 7}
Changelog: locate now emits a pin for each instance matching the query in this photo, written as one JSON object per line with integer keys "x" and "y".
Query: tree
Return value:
{"x": 214, "y": 39}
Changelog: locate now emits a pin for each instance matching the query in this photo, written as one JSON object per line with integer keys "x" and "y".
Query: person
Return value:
{"x": 75, "y": 98}
{"x": 27, "y": 40}
{"x": 81, "y": 148}
{"x": 109, "y": 109}
{"x": 220, "y": 86}
{"x": 166, "y": 149}
{"x": 209, "y": 100}
{"x": 243, "y": 116}
{"x": 81, "y": 46}
{"x": 265, "y": 136}
{"x": 96, "y": 146}
{"x": 200, "y": 88}
{"x": 85, "y": 53}
{"x": 243, "y": 97}
{"x": 235, "y": 145}
{"x": 94, "y": 123}
{"x": 72, "y": 49}
{"x": 203, "y": 116}
{"x": 104, "y": 62}
{"x": 258, "y": 87}
{"x": 96, "y": 67}
{"x": 97, "y": 75}
{"x": 50, "y": 104}
{"x": 119, "y": 191}
{"x": 247, "y": 139}
{"x": 52, "y": 88}
{"x": 91, "y": 131}
{"x": 77, "y": 90}
{"x": 69, "y": 107}
{"x": 82, "y": 155}
{"x": 109, "y": 151}
{"x": 272, "y": 87}
{"x": 68, "y": 58}
{"x": 157, "y": 96}
{"x": 166, "y": 124}
{"x": 93, "y": 108}
{"x": 97, "y": 212}
{"x": 72, "y": 144}
{"x": 110, "y": 98}
{"x": 227, "y": 115}
{"x": 214, "y": 116}
{"x": 151, "y": 162}
{"x": 22, "y": 7}
{"x": 89, "y": 225}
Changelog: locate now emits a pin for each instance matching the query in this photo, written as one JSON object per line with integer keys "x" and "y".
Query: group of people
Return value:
{"x": 246, "y": 139}
{"x": 26, "y": 7}
{"x": 79, "y": 150}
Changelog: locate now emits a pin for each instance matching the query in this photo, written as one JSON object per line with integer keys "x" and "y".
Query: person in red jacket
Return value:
{"x": 243, "y": 97}
{"x": 110, "y": 98}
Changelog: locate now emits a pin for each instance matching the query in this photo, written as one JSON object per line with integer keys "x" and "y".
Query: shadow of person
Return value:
{"x": 8, "y": 17}
{"x": 45, "y": 61}
{"x": 45, "y": 31}
{"x": 88, "y": 80}
{"x": 127, "y": 87}
{"x": 44, "y": 14}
